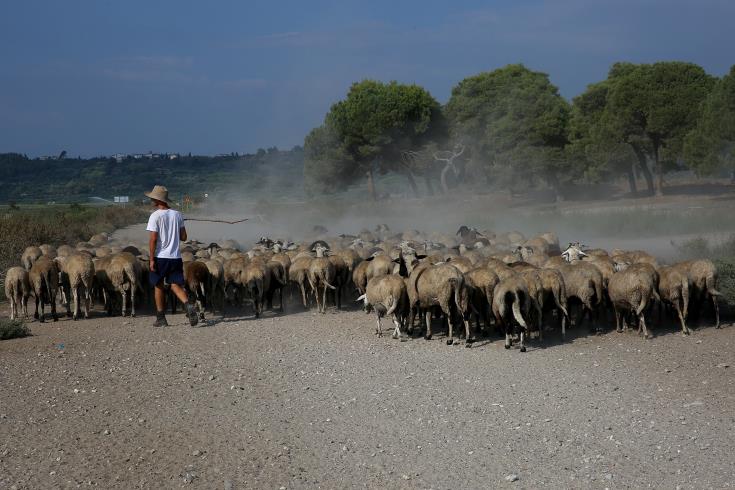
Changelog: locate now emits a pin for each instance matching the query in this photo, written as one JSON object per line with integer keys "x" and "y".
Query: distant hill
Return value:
{"x": 264, "y": 173}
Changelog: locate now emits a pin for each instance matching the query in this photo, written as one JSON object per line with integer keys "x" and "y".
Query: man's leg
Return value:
{"x": 191, "y": 311}
{"x": 160, "y": 297}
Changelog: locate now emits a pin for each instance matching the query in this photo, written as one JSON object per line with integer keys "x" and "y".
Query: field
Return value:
{"x": 301, "y": 400}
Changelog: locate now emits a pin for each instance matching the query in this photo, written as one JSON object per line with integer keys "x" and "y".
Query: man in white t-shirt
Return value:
{"x": 166, "y": 230}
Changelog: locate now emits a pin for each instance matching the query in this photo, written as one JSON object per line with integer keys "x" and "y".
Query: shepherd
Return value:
{"x": 166, "y": 230}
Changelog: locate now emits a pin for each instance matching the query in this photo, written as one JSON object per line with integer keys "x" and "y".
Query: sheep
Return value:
{"x": 359, "y": 276}
{"x": 441, "y": 285}
{"x": 511, "y": 302}
{"x": 463, "y": 264}
{"x": 17, "y": 290}
{"x": 703, "y": 277}
{"x": 322, "y": 275}
{"x": 500, "y": 268}
{"x": 388, "y": 296}
{"x": 197, "y": 281}
{"x": 298, "y": 275}
{"x": 79, "y": 271}
{"x": 216, "y": 286}
{"x": 536, "y": 297}
{"x": 555, "y": 294}
{"x": 255, "y": 280}
{"x": 583, "y": 281}
{"x": 278, "y": 281}
{"x": 65, "y": 251}
{"x": 29, "y": 257}
{"x": 379, "y": 265}
{"x": 48, "y": 250}
{"x": 481, "y": 283}
{"x": 102, "y": 282}
{"x": 673, "y": 289}
{"x": 124, "y": 272}
{"x": 631, "y": 291}
{"x": 44, "y": 279}
{"x": 233, "y": 268}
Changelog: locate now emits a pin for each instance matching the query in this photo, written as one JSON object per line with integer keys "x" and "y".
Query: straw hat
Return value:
{"x": 159, "y": 193}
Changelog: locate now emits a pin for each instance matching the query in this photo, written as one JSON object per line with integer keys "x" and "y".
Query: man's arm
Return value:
{"x": 182, "y": 234}
{"x": 152, "y": 239}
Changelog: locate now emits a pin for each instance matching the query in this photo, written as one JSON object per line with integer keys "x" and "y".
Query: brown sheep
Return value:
{"x": 341, "y": 277}
{"x": 359, "y": 276}
{"x": 379, "y": 265}
{"x": 703, "y": 278}
{"x": 511, "y": 303}
{"x": 463, "y": 264}
{"x": 48, "y": 250}
{"x": 124, "y": 272}
{"x": 216, "y": 284}
{"x": 631, "y": 291}
{"x": 321, "y": 275}
{"x": 555, "y": 294}
{"x": 441, "y": 285}
{"x": 500, "y": 268}
{"x": 102, "y": 283}
{"x": 278, "y": 281}
{"x": 196, "y": 282}
{"x": 79, "y": 271}
{"x": 298, "y": 275}
{"x": 387, "y": 295}
{"x": 481, "y": 283}
{"x": 536, "y": 297}
{"x": 255, "y": 280}
{"x": 44, "y": 279}
{"x": 30, "y": 255}
{"x": 17, "y": 290}
{"x": 583, "y": 281}
{"x": 673, "y": 289}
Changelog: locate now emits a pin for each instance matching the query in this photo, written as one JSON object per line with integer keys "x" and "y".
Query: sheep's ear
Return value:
{"x": 421, "y": 256}
{"x": 370, "y": 258}
{"x": 397, "y": 261}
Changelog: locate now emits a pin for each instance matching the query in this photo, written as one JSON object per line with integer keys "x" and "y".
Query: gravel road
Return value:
{"x": 318, "y": 401}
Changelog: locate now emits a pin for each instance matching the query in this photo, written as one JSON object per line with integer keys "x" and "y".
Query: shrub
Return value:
{"x": 13, "y": 329}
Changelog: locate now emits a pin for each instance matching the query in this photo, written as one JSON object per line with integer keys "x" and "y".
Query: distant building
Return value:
{"x": 138, "y": 156}
{"x": 173, "y": 156}
{"x": 119, "y": 157}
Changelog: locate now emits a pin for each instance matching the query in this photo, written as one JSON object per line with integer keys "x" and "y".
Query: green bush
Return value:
{"x": 13, "y": 329}
{"x": 726, "y": 271}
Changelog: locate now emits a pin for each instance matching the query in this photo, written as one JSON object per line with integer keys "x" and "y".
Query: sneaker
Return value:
{"x": 191, "y": 312}
{"x": 161, "y": 321}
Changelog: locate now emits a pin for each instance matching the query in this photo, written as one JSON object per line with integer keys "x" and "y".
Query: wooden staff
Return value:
{"x": 216, "y": 220}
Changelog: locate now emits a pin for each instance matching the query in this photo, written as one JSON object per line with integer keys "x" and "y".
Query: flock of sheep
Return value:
{"x": 503, "y": 281}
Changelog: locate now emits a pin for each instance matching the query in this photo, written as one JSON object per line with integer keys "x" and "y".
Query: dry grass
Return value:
{"x": 56, "y": 225}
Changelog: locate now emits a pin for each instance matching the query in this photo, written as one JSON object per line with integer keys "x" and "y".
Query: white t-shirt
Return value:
{"x": 167, "y": 223}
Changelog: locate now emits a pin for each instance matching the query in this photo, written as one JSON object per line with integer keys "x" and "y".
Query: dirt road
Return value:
{"x": 310, "y": 401}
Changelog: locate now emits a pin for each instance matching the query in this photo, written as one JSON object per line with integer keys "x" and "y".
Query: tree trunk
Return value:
{"x": 429, "y": 187}
{"x": 443, "y": 180}
{"x": 643, "y": 165}
{"x": 631, "y": 181}
{"x": 412, "y": 183}
{"x": 659, "y": 171}
{"x": 371, "y": 183}
{"x": 556, "y": 187}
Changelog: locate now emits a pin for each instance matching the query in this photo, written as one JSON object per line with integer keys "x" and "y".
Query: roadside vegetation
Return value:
{"x": 722, "y": 253}
{"x": 55, "y": 225}
{"x": 13, "y": 329}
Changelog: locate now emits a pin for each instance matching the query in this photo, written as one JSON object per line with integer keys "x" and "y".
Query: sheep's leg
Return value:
{"x": 324, "y": 299}
{"x": 523, "y": 344}
{"x": 397, "y": 334}
{"x": 12, "y": 308}
{"x": 446, "y": 309}
{"x": 42, "y": 317}
{"x": 717, "y": 310}
{"x": 75, "y": 302}
{"x": 87, "y": 301}
{"x": 303, "y": 294}
{"x": 379, "y": 328}
{"x": 508, "y": 337}
{"x": 53, "y": 306}
{"x": 684, "y": 329}
{"x": 411, "y": 317}
{"x": 35, "y": 315}
{"x": 427, "y": 318}
{"x": 540, "y": 314}
{"x": 124, "y": 301}
{"x": 642, "y": 324}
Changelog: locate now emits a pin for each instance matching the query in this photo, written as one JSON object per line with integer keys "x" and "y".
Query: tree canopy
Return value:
{"x": 514, "y": 121}
{"x": 367, "y": 131}
{"x": 710, "y": 146}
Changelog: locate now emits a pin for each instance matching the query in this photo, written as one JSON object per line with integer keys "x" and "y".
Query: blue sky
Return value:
{"x": 100, "y": 77}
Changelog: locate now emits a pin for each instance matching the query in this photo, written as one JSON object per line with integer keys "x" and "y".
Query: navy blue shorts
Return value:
{"x": 172, "y": 270}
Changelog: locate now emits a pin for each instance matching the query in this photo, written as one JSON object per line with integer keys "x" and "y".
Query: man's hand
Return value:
{"x": 152, "y": 264}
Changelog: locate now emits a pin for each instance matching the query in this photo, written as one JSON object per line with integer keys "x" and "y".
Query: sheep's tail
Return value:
{"x": 517, "y": 311}
{"x": 557, "y": 295}
{"x": 598, "y": 291}
{"x": 711, "y": 285}
{"x": 324, "y": 280}
{"x": 129, "y": 271}
{"x": 392, "y": 305}
{"x": 456, "y": 284}
{"x": 46, "y": 279}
